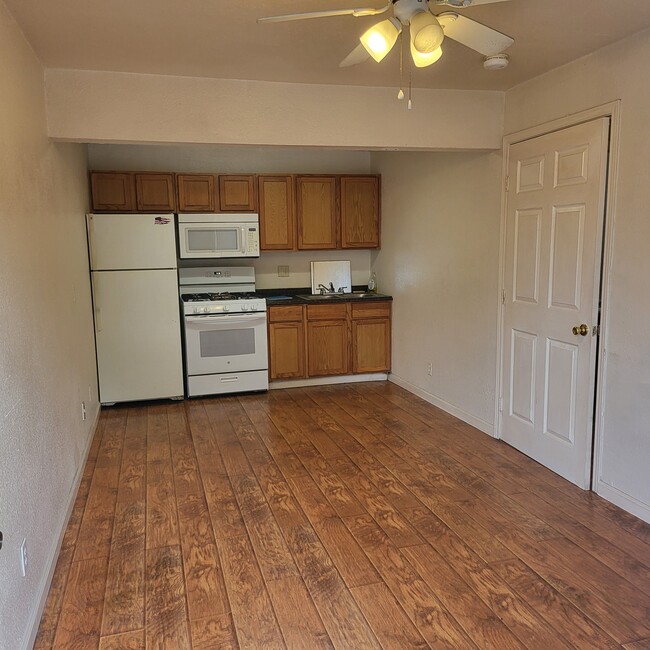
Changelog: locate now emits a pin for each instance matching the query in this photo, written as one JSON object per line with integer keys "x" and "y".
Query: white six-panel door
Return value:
{"x": 554, "y": 221}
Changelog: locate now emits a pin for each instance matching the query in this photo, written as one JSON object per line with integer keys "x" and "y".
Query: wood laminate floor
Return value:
{"x": 353, "y": 516}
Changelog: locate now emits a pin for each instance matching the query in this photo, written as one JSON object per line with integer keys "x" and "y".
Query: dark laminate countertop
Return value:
{"x": 291, "y": 296}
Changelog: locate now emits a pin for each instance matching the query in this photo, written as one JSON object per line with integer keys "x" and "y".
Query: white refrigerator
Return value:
{"x": 136, "y": 303}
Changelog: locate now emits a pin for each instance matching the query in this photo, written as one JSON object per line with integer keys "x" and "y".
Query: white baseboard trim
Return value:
{"x": 324, "y": 381}
{"x": 46, "y": 580}
{"x": 479, "y": 424}
{"x": 622, "y": 500}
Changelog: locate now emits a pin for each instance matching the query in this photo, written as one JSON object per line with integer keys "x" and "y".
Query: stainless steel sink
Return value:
{"x": 362, "y": 294}
{"x": 320, "y": 297}
{"x": 325, "y": 297}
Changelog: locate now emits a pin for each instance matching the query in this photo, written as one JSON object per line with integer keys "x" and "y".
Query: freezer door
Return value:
{"x": 131, "y": 241}
{"x": 137, "y": 327}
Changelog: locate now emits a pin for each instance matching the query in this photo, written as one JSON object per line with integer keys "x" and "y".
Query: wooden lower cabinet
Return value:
{"x": 328, "y": 349}
{"x": 371, "y": 345}
{"x": 371, "y": 336}
{"x": 329, "y": 340}
{"x": 286, "y": 342}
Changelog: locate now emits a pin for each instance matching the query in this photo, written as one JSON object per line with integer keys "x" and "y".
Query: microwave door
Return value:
{"x": 224, "y": 240}
{"x": 229, "y": 240}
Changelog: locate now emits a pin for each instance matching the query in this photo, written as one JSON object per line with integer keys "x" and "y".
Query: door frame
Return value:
{"x": 613, "y": 111}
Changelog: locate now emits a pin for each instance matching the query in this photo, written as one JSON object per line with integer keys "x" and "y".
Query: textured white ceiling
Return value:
{"x": 221, "y": 39}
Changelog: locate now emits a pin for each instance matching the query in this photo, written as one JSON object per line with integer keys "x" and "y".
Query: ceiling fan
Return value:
{"x": 426, "y": 30}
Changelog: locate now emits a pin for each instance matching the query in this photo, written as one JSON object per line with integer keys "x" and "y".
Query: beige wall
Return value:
{"x": 616, "y": 72}
{"x": 439, "y": 259}
{"x": 92, "y": 106}
{"x": 47, "y": 363}
{"x": 270, "y": 160}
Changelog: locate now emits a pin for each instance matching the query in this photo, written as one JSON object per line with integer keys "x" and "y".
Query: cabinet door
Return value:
{"x": 286, "y": 350}
{"x": 196, "y": 193}
{"x": 317, "y": 212}
{"x": 155, "y": 192}
{"x": 112, "y": 191}
{"x": 371, "y": 345}
{"x": 360, "y": 212}
{"x": 277, "y": 225}
{"x": 237, "y": 193}
{"x": 328, "y": 350}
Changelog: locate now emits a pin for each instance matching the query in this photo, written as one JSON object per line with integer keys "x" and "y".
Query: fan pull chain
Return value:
{"x": 400, "y": 94}
{"x": 410, "y": 103}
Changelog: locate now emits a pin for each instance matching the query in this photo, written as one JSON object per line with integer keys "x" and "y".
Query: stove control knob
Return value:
{"x": 206, "y": 310}
{"x": 196, "y": 310}
{"x": 253, "y": 307}
{"x": 245, "y": 307}
{"x": 226, "y": 308}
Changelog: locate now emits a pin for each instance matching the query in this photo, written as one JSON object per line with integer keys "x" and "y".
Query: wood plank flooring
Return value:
{"x": 354, "y": 516}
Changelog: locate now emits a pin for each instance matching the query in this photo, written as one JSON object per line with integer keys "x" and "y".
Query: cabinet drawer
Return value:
{"x": 371, "y": 309}
{"x": 288, "y": 313}
{"x": 327, "y": 312}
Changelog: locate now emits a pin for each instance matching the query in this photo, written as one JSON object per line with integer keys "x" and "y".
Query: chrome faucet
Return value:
{"x": 323, "y": 289}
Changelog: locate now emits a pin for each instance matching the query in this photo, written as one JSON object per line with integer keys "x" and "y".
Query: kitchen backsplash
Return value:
{"x": 299, "y": 263}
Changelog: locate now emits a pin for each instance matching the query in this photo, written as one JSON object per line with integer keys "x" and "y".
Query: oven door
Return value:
{"x": 211, "y": 240}
{"x": 225, "y": 343}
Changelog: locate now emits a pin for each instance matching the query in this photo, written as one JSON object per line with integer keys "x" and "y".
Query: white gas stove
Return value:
{"x": 225, "y": 331}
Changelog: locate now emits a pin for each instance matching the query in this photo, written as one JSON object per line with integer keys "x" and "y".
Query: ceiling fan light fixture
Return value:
{"x": 496, "y": 62}
{"x": 426, "y": 33}
{"x": 380, "y": 38}
{"x": 423, "y": 60}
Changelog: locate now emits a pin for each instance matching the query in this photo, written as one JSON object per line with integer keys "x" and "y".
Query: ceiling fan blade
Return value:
{"x": 474, "y": 35}
{"x": 362, "y": 11}
{"x": 358, "y": 55}
{"x": 461, "y": 4}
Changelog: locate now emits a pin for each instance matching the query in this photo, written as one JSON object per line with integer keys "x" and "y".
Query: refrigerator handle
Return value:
{"x": 91, "y": 239}
{"x": 98, "y": 319}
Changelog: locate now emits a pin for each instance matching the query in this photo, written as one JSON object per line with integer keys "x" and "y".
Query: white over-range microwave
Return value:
{"x": 219, "y": 235}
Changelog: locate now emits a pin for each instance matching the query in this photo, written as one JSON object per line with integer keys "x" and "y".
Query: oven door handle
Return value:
{"x": 226, "y": 321}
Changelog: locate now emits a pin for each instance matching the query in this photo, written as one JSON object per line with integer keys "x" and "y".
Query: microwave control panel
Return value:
{"x": 253, "y": 241}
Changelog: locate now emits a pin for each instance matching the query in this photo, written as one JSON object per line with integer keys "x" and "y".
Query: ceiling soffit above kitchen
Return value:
{"x": 222, "y": 39}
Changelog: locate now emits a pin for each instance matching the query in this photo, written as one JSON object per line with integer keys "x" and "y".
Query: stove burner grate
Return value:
{"x": 215, "y": 297}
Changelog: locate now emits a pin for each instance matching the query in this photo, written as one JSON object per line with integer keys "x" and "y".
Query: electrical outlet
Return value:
{"x": 83, "y": 410}
{"x": 429, "y": 369}
{"x": 283, "y": 271}
{"x": 23, "y": 557}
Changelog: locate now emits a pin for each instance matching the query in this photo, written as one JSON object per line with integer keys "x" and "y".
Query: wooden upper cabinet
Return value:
{"x": 360, "y": 211}
{"x": 196, "y": 193}
{"x": 237, "y": 193}
{"x": 277, "y": 223}
{"x": 155, "y": 192}
{"x": 112, "y": 191}
{"x": 317, "y": 212}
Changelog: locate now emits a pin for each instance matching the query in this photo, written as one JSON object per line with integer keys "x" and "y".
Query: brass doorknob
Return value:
{"x": 581, "y": 330}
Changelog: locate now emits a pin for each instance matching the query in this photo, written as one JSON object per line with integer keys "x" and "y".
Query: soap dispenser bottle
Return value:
{"x": 372, "y": 283}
